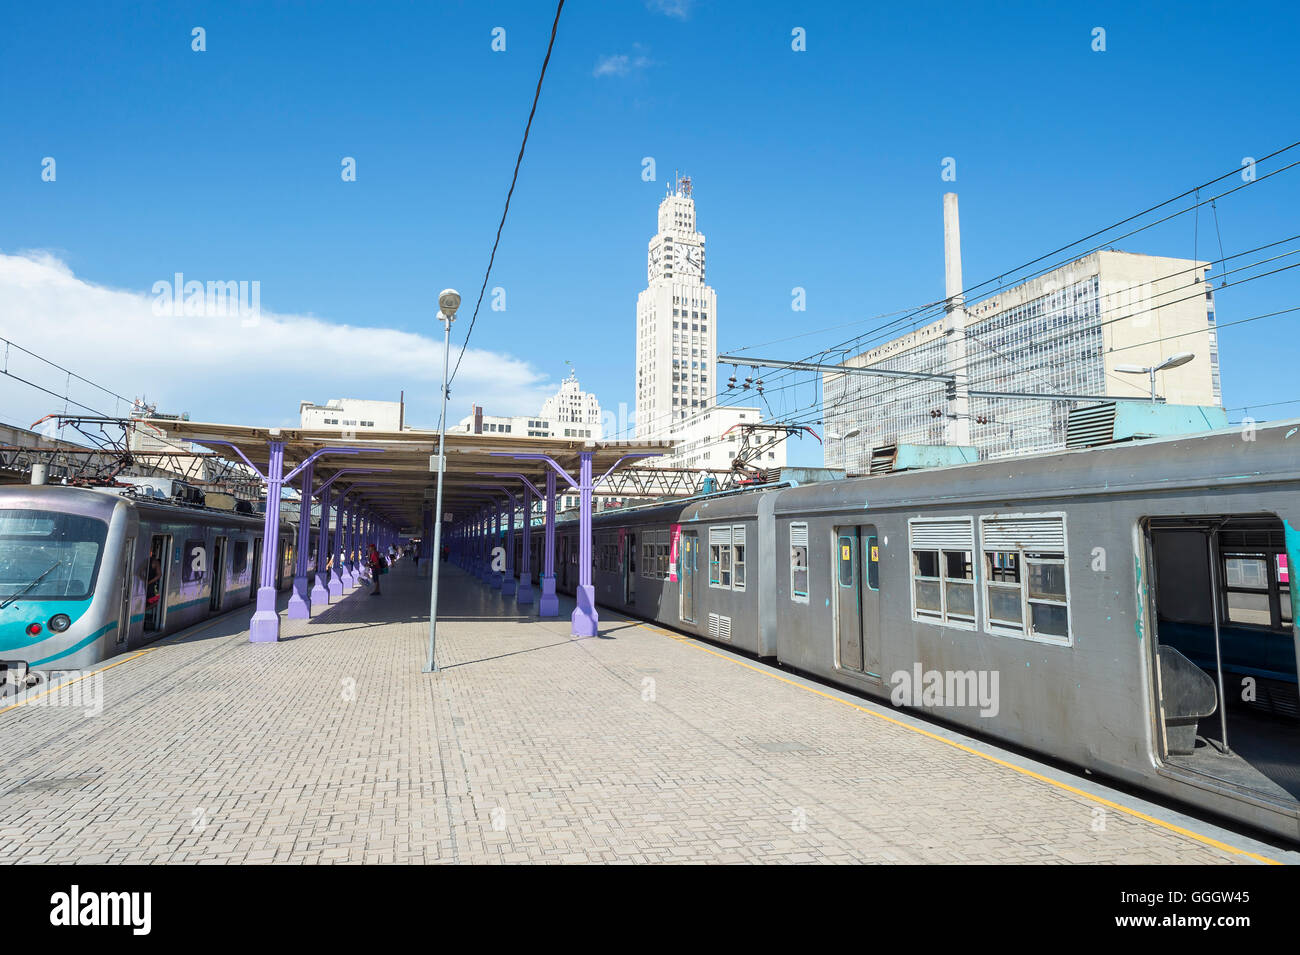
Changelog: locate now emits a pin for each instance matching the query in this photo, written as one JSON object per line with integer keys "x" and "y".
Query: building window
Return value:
{"x": 799, "y": 581}
{"x": 943, "y": 574}
{"x": 1025, "y": 583}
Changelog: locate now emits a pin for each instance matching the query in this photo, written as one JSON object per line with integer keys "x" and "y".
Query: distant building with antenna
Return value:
{"x": 677, "y": 347}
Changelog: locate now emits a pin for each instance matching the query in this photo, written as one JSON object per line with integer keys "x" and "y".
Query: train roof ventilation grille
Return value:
{"x": 883, "y": 458}
{"x": 1090, "y": 427}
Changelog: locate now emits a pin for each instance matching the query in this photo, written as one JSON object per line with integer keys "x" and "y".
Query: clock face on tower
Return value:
{"x": 692, "y": 261}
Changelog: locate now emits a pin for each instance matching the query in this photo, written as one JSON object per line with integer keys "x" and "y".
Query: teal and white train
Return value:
{"x": 79, "y": 582}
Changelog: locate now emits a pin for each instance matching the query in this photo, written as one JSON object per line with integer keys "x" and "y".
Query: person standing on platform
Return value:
{"x": 376, "y": 562}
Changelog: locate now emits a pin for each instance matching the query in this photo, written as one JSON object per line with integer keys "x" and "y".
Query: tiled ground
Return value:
{"x": 636, "y": 746}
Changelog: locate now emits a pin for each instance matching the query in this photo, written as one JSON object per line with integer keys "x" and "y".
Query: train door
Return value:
{"x": 629, "y": 569}
{"x": 218, "y": 574}
{"x": 564, "y": 562}
{"x": 257, "y": 568}
{"x": 690, "y": 558}
{"x": 124, "y": 610}
{"x": 857, "y": 599}
{"x": 157, "y": 572}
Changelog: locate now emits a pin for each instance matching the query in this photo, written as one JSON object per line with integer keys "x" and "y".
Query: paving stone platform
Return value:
{"x": 529, "y": 746}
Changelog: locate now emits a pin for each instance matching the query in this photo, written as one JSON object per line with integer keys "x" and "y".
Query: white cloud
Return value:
{"x": 620, "y": 64}
{"x": 218, "y": 370}
{"x": 681, "y": 9}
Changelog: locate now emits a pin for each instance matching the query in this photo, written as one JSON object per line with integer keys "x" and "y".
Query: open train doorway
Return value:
{"x": 218, "y": 574}
{"x": 156, "y": 582}
{"x": 1225, "y": 647}
{"x": 256, "y": 578}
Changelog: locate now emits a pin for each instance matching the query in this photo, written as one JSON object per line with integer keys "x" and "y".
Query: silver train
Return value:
{"x": 1065, "y": 603}
{"x": 76, "y": 567}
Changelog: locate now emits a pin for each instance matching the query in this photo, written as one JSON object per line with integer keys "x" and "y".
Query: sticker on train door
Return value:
{"x": 846, "y": 553}
{"x": 674, "y": 536}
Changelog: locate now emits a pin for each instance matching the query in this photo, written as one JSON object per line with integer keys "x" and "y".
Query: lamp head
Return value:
{"x": 1182, "y": 358}
{"x": 448, "y": 302}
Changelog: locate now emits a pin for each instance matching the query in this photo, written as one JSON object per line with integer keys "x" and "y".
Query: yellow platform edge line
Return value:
{"x": 190, "y": 631}
{"x": 1137, "y": 814}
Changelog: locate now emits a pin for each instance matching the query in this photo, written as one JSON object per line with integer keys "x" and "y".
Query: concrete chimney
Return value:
{"x": 956, "y": 429}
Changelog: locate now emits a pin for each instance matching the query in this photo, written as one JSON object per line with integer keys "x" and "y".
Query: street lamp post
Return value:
{"x": 448, "y": 302}
{"x": 841, "y": 438}
{"x": 1182, "y": 358}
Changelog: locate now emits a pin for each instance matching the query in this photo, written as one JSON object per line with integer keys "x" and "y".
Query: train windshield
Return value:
{"x": 45, "y": 554}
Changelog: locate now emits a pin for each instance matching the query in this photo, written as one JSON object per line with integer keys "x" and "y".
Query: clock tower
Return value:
{"x": 676, "y": 321}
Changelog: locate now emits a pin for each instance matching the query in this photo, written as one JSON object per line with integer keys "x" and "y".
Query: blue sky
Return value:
{"x": 818, "y": 169}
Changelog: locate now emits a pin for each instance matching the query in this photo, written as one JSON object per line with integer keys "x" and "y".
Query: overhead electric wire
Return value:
{"x": 537, "y": 95}
{"x": 946, "y": 367}
{"x": 920, "y": 311}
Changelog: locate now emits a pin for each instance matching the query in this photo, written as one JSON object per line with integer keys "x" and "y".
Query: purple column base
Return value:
{"x": 549, "y": 604}
{"x": 300, "y": 602}
{"x": 336, "y": 584}
{"x": 508, "y": 585}
{"x": 524, "y": 594}
{"x": 349, "y": 575}
{"x": 265, "y": 626}
{"x": 585, "y": 619}
{"x": 320, "y": 593}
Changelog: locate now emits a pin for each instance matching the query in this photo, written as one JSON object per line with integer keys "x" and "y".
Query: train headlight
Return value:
{"x": 33, "y": 629}
{"x": 60, "y": 622}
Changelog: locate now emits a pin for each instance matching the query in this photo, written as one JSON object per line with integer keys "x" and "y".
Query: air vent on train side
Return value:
{"x": 719, "y": 627}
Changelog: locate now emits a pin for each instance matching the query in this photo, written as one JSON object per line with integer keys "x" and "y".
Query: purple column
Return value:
{"x": 525, "y": 595}
{"x": 498, "y": 576}
{"x": 484, "y": 564}
{"x": 300, "y": 601}
{"x": 265, "y": 625}
{"x": 549, "y": 604}
{"x": 427, "y": 556}
{"x": 585, "y": 619}
{"x": 509, "y": 586}
{"x": 320, "y": 592}
{"x": 349, "y": 546}
{"x": 336, "y": 550}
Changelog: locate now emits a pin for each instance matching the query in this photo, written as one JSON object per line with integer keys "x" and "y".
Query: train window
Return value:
{"x": 239, "y": 558}
{"x": 738, "y": 557}
{"x": 943, "y": 570}
{"x": 799, "y": 581}
{"x": 720, "y": 557}
{"x": 194, "y": 563}
{"x": 661, "y": 554}
{"x": 1025, "y": 580}
{"x": 1246, "y": 589}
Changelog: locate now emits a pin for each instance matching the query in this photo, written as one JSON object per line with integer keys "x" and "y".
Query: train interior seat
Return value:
{"x": 1187, "y": 695}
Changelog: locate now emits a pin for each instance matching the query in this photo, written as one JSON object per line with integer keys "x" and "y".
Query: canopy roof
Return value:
{"x": 399, "y": 462}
